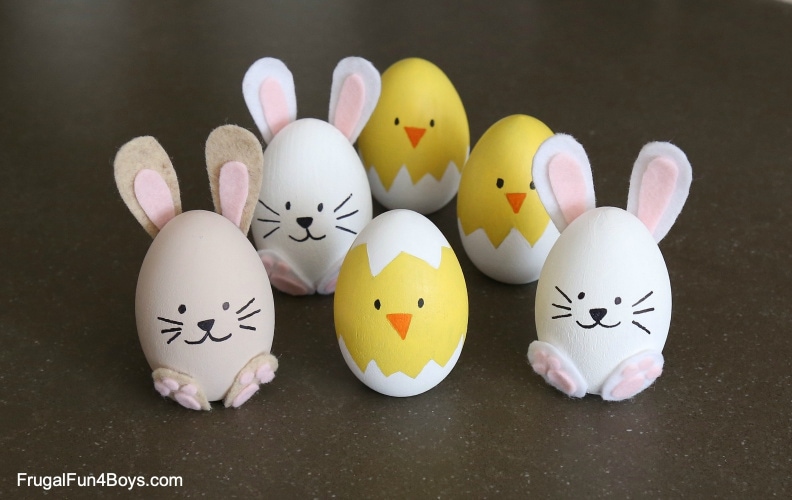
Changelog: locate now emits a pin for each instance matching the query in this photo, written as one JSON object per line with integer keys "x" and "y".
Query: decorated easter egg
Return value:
{"x": 417, "y": 140}
{"x": 401, "y": 305}
{"x": 602, "y": 314}
{"x": 504, "y": 228}
{"x": 203, "y": 305}
{"x": 603, "y": 301}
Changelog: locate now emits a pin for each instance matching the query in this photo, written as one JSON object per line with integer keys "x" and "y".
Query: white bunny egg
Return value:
{"x": 315, "y": 195}
{"x": 603, "y": 301}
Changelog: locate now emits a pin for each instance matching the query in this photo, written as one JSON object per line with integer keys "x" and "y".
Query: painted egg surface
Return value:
{"x": 314, "y": 199}
{"x": 600, "y": 315}
{"x": 401, "y": 305}
{"x": 504, "y": 227}
{"x": 417, "y": 140}
{"x": 203, "y": 303}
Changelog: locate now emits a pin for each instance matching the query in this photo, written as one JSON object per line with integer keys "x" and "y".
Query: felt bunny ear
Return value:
{"x": 147, "y": 182}
{"x": 268, "y": 89}
{"x": 659, "y": 186}
{"x": 353, "y": 95}
{"x": 562, "y": 176}
{"x": 234, "y": 161}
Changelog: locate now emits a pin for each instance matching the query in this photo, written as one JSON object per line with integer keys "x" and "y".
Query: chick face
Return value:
{"x": 405, "y": 316}
{"x": 496, "y": 192}
{"x": 419, "y": 123}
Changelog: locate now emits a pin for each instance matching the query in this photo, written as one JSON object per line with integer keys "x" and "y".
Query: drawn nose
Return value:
{"x": 414, "y": 134}
{"x": 400, "y": 323}
{"x": 206, "y": 325}
{"x": 305, "y": 222}
{"x": 598, "y": 314}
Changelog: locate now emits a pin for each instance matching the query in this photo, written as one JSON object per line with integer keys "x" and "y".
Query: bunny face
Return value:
{"x": 603, "y": 301}
{"x": 204, "y": 308}
{"x": 315, "y": 196}
{"x": 203, "y": 303}
{"x": 604, "y": 293}
{"x": 314, "y": 200}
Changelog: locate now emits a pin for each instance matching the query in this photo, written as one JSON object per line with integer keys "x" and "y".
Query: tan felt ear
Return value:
{"x": 147, "y": 182}
{"x": 231, "y": 145}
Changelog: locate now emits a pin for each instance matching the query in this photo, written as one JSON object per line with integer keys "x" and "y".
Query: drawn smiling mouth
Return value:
{"x": 308, "y": 236}
{"x": 596, "y": 323}
{"x": 206, "y": 326}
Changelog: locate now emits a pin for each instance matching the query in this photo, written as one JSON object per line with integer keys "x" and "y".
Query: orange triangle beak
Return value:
{"x": 516, "y": 200}
{"x": 415, "y": 134}
{"x": 400, "y": 323}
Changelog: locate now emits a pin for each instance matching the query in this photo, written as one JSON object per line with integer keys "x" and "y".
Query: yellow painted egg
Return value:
{"x": 504, "y": 228}
{"x": 417, "y": 140}
{"x": 401, "y": 306}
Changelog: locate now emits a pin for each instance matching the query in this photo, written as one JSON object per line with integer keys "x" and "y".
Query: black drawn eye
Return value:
{"x": 533, "y": 186}
{"x": 320, "y": 207}
{"x": 377, "y": 304}
{"x": 431, "y": 123}
{"x": 499, "y": 183}
{"x": 420, "y": 302}
{"x": 226, "y": 305}
{"x": 396, "y": 121}
{"x": 581, "y": 295}
{"x": 182, "y": 309}
{"x": 617, "y": 301}
{"x": 288, "y": 205}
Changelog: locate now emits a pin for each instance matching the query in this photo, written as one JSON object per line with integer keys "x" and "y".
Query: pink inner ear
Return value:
{"x": 233, "y": 191}
{"x": 274, "y": 105}
{"x": 154, "y": 196}
{"x": 569, "y": 185}
{"x": 350, "y": 105}
{"x": 657, "y": 188}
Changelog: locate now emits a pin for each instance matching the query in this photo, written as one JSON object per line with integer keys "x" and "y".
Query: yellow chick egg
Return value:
{"x": 504, "y": 227}
{"x": 401, "y": 306}
{"x": 417, "y": 140}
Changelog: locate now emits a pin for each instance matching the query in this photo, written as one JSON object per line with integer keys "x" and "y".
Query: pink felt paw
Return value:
{"x": 186, "y": 395}
{"x": 633, "y": 375}
{"x": 282, "y": 276}
{"x": 557, "y": 369}
{"x": 260, "y": 370}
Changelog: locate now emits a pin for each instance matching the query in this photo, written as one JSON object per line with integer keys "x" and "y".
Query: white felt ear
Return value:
{"x": 659, "y": 186}
{"x": 353, "y": 96}
{"x": 562, "y": 176}
{"x": 268, "y": 89}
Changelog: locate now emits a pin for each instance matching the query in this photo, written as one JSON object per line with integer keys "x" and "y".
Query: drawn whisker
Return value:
{"x": 246, "y": 327}
{"x": 565, "y": 295}
{"x": 174, "y": 337}
{"x": 346, "y": 229}
{"x": 641, "y": 327}
{"x": 561, "y": 316}
{"x": 336, "y": 209}
{"x": 272, "y": 231}
{"x": 249, "y": 315}
{"x": 269, "y": 220}
{"x": 643, "y": 298}
{"x": 562, "y": 307}
{"x": 644, "y": 311}
{"x": 166, "y": 320}
{"x": 246, "y": 305}
{"x": 346, "y": 215}
{"x": 268, "y": 208}
{"x": 170, "y": 330}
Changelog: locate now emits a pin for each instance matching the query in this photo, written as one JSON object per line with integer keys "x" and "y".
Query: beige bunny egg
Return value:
{"x": 203, "y": 304}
